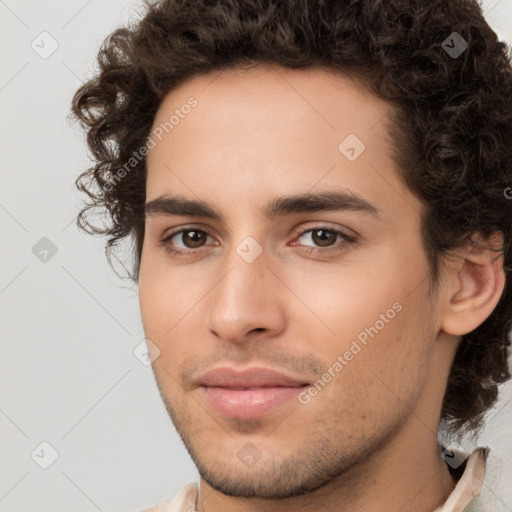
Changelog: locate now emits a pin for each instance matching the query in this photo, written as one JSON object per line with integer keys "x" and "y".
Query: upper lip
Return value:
{"x": 250, "y": 377}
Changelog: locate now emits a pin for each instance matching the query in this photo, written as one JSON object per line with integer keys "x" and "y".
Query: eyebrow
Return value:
{"x": 280, "y": 206}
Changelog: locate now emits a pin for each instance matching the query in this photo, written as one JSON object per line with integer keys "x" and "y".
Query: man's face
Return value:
{"x": 251, "y": 291}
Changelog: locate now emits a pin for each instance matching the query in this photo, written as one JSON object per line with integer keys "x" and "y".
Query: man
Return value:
{"x": 317, "y": 195}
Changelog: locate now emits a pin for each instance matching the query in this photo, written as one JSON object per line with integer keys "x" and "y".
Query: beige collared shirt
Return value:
{"x": 460, "y": 499}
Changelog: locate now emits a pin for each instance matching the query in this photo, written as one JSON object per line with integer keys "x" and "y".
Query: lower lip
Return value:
{"x": 248, "y": 403}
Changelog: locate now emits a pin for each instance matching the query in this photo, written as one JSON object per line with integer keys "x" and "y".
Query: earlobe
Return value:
{"x": 474, "y": 286}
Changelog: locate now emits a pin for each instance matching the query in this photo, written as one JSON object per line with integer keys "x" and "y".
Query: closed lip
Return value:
{"x": 228, "y": 377}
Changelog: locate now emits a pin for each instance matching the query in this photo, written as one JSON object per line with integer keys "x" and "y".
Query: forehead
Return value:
{"x": 269, "y": 96}
{"x": 269, "y": 128}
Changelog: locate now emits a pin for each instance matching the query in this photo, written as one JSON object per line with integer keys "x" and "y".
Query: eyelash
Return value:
{"x": 347, "y": 240}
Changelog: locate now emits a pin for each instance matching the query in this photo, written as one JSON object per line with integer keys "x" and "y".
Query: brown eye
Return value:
{"x": 324, "y": 240}
{"x": 187, "y": 241}
{"x": 191, "y": 238}
{"x": 323, "y": 237}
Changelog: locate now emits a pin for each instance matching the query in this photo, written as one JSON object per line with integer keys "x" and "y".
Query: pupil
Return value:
{"x": 194, "y": 237}
{"x": 323, "y": 238}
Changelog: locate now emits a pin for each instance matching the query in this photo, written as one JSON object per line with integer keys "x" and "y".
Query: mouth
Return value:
{"x": 248, "y": 402}
{"x": 247, "y": 394}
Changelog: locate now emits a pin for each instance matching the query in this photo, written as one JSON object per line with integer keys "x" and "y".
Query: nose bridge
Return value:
{"x": 246, "y": 296}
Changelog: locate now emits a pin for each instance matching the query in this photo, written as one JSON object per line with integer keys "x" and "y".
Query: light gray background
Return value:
{"x": 69, "y": 326}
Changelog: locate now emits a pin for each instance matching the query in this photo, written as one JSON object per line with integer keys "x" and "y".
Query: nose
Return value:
{"x": 249, "y": 298}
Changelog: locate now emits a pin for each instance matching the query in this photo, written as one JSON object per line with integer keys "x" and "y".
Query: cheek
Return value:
{"x": 163, "y": 308}
{"x": 377, "y": 381}
{"x": 373, "y": 319}
{"x": 165, "y": 296}
{"x": 344, "y": 303}
{"x": 167, "y": 300}
{"x": 151, "y": 300}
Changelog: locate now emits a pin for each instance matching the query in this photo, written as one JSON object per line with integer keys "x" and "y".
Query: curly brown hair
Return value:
{"x": 452, "y": 123}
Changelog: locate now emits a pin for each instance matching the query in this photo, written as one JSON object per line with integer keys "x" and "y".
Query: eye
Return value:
{"x": 191, "y": 238}
{"x": 324, "y": 236}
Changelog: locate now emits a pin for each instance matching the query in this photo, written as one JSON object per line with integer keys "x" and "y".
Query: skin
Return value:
{"x": 368, "y": 440}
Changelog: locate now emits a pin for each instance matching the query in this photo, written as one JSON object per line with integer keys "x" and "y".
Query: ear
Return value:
{"x": 474, "y": 283}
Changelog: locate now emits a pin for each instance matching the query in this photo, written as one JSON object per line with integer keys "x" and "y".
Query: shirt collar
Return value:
{"x": 469, "y": 484}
